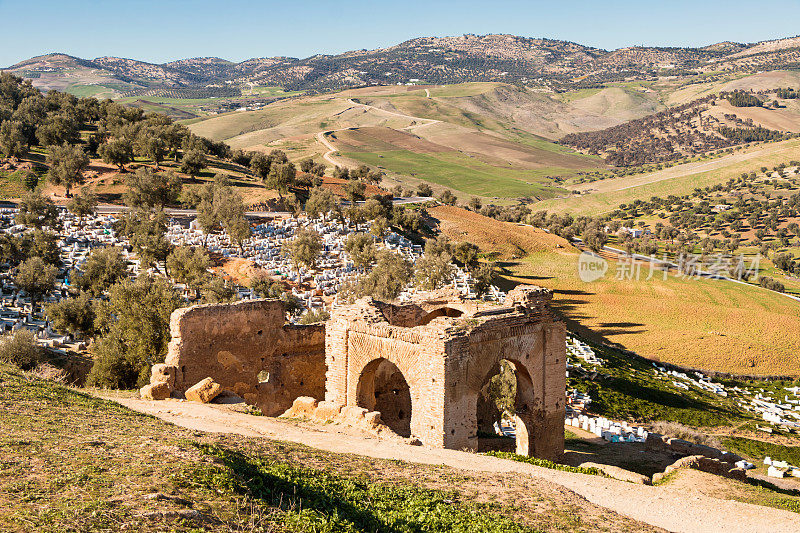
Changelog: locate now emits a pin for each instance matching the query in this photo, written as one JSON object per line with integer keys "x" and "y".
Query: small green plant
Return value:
{"x": 544, "y": 463}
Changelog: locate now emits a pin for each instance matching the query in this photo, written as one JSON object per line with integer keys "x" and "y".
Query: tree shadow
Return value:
{"x": 336, "y": 499}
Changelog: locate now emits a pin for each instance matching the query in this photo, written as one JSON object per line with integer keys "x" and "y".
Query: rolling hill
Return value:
{"x": 436, "y": 60}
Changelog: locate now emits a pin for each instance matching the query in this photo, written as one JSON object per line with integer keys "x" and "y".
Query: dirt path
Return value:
{"x": 321, "y": 136}
{"x": 668, "y": 507}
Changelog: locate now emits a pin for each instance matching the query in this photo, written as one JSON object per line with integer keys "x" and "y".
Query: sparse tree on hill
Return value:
{"x": 307, "y": 165}
{"x": 37, "y": 211}
{"x": 433, "y": 271}
{"x": 447, "y": 197}
{"x": 67, "y": 164}
{"x": 193, "y": 162}
{"x": 152, "y": 189}
{"x": 281, "y": 177}
{"x": 151, "y": 142}
{"x": 483, "y": 275}
{"x": 379, "y": 227}
{"x": 341, "y": 173}
{"x": 305, "y": 248}
{"x": 423, "y": 189}
{"x": 260, "y": 164}
{"x": 57, "y": 130}
{"x": 475, "y": 204}
{"x": 466, "y": 253}
{"x": 116, "y": 152}
{"x": 83, "y": 204}
{"x": 146, "y": 231}
{"x": 355, "y": 191}
{"x": 36, "y": 278}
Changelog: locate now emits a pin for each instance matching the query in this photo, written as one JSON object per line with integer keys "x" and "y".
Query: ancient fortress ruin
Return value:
{"x": 420, "y": 368}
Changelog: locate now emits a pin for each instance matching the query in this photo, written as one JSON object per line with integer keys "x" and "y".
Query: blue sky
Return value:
{"x": 164, "y": 30}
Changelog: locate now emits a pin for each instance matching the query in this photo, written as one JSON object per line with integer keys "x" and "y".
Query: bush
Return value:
{"x": 135, "y": 332}
{"x": 314, "y": 316}
{"x": 20, "y": 349}
{"x": 771, "y": 284}
{"x": 680, "y": 431}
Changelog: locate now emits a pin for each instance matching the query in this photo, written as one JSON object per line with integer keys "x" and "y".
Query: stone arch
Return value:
{"x": 440, "y": 311}
{"x": 524, "y": 405}
{"x": 383, "y": 387}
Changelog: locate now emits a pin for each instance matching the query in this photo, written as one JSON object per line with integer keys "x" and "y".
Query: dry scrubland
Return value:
{"x": 707, "y": 324}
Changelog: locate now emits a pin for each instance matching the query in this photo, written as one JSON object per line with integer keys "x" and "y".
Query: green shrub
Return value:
{"x": 20, "y": 349}
{"x": 135, "y": 332}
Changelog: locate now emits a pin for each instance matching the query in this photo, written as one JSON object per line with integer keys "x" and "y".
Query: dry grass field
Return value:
{"x": 604, "y": 196}
{"x": 707, "y": 324}
{"x": 507, "y": 241}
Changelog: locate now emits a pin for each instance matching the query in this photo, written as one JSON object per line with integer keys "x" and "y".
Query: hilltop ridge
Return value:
{"x": 437, "y": 60}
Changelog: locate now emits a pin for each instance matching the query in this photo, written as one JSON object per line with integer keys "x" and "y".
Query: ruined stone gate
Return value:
{"x": 423, "y": 365}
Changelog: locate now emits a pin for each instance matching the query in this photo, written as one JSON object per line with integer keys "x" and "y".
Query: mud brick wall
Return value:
{"x": 249, "y": 349}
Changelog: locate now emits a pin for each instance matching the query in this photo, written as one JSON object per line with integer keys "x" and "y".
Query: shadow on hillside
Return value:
{"x": 109, "y": 197}
{"x": 223, "y": 165}
{"x": 287, "y": 488}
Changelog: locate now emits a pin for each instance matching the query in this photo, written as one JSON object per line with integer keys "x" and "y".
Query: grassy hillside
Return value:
{"x": 481, "y": 149}
{"x": 604, "y": 196}
{"x": 72, "y": 462}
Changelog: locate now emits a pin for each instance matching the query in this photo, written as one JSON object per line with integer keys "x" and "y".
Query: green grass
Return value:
{"x": 544, "y": 463}
{"x": 757, "y": 449}
{"x": 270, "y": 91}
{"x": 314, "y": 500}
{"x": 463, "y": 173}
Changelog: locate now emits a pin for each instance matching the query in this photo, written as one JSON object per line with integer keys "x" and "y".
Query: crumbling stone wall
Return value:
{"x": 446, "y": 349}
{"x": 248, "y": 348}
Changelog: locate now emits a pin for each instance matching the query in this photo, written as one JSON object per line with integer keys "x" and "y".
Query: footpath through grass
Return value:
{"x": 73, "y": 462}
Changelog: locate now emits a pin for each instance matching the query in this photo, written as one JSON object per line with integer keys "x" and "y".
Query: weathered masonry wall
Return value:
{"x": 249, "y": 349}
{"x": 440, "y": 354}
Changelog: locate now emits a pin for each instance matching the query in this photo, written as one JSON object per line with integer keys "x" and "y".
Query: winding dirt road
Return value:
{"x": 321, "y": 136}
{"x": 670, "y": 507}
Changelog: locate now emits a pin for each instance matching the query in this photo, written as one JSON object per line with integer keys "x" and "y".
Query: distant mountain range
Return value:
{"x": 434, "y": 60}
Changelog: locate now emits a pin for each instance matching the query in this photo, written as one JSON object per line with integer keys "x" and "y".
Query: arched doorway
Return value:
{"x": 503, "y": 409}
{"x": 382, "y": 387}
